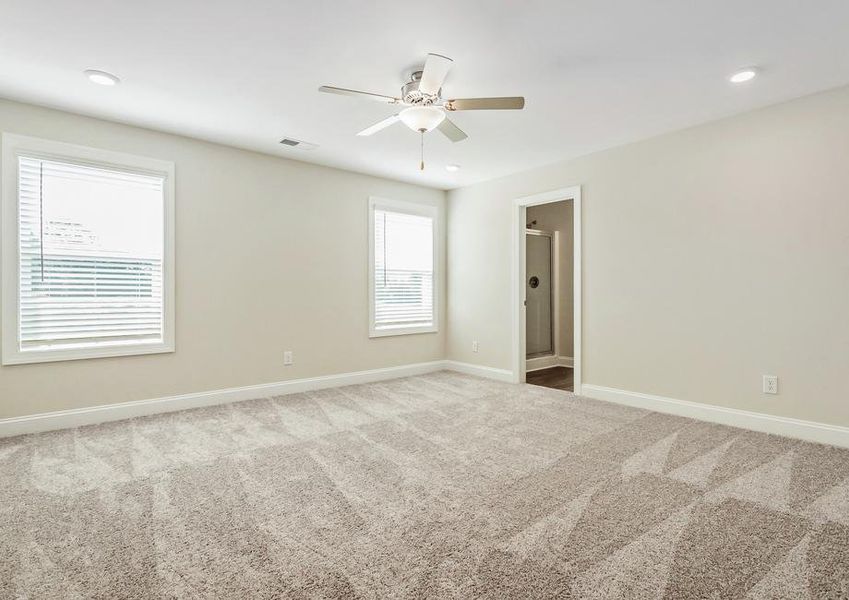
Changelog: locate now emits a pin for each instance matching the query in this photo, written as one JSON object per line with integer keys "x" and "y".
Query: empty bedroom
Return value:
{"x": 444, "y": 300}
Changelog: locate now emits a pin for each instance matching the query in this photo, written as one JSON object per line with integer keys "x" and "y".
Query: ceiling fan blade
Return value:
{"x": 509, "y": 103}
{"x": 435, "y": 69}
{"x": 345, "y": 92}
{"x": 379, "y": 125}
{"x": 451, "y": 131}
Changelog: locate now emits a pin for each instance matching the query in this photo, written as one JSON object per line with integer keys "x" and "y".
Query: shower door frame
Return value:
{"x": 554, "y": 281}
{"x": 519, "y": 209}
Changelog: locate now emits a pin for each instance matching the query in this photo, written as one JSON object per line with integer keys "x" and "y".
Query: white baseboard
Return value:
{"x": 480, "y": 371}
{"x": 546, "y": 362}
{"x": 541, "y": 362}
{"x": 795, "y": 428}
{"x": 115, "y": 412}
{"x": 78, "y": 417}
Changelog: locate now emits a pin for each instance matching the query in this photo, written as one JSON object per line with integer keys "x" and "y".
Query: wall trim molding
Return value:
{"x": 546, "y": 362}
{"x": 795, "y": 428}
{"x": 811, "y": 431}
{"x": 137, "y": 408}
{"x": 92, "y": 415}
{"x": 479, "y": 370}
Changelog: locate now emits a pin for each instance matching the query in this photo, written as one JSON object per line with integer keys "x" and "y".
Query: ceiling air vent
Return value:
{"x": 299, "y": 144}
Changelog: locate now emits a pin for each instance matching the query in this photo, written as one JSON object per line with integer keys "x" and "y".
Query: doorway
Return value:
{"x": 548, "y": 295}
{"x": 547, "y": 290}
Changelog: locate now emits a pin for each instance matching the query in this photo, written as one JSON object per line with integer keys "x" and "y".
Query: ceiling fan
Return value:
{"x": 425, "y": 108}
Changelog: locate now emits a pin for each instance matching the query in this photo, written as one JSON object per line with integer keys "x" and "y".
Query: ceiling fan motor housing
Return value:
{"x": 410, "y": 93}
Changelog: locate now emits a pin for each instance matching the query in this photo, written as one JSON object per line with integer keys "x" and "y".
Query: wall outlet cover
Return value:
{"x": 770, "y": 384}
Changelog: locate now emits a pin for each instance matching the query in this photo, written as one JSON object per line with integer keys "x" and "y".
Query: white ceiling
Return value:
{"x": 595, "y": 73}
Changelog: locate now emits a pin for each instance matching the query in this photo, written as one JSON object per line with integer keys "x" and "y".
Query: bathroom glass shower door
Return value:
{"x": 538, "y": 291}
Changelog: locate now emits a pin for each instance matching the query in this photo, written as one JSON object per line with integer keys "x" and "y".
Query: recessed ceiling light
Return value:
{"x": 452, "y": 168}
{"x": 744, "y": 75}
{"x": 101, "y": 77}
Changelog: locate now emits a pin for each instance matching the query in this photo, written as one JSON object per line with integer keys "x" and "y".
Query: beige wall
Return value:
{"x": 557, "y": 216}
{"x": 711, "y": 256}
{"x": 271, "y": 255}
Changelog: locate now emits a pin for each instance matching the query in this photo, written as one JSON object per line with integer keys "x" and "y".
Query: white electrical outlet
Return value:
{"x": 288, "y": 358}
{"x": 475, "y": 346}
{"x": 770, "y": 384}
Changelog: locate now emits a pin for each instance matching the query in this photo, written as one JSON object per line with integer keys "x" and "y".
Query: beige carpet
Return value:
{"x": 439, "y": 486}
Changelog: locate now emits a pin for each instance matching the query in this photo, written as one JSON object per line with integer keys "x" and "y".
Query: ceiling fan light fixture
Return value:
{"x": 421, "y": 118}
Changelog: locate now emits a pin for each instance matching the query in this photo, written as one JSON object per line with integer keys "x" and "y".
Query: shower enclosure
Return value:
{"x": 539, "y": 289}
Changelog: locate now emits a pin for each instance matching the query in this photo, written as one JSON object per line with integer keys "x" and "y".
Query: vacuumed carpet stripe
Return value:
{"x": 438, "y": 486}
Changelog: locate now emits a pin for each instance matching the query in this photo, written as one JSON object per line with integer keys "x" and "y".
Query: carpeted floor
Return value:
{"x": 439, "y": 486}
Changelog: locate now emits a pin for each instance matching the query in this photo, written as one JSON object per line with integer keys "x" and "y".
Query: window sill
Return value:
{"x": 393, "y": 331}
{"x": 18, "y": 357}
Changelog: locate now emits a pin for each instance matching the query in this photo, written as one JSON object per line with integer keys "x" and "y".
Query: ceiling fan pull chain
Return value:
{"x": 421, "y": 166}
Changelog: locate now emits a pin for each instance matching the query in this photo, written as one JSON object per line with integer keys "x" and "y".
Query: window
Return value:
{"x": 87, "y": 252}
{"x": 402, "y": 268}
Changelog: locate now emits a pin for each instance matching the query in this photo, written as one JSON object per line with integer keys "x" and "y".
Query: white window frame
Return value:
{"x": 14, "y": 146}
{"x": 410, "y": 208}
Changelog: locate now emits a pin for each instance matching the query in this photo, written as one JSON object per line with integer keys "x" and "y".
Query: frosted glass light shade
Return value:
{"x": 421, "y": 118}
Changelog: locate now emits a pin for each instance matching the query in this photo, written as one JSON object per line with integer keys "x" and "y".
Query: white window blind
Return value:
{"x": 403, "y": 270}
{"x": 91, "y": 246}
